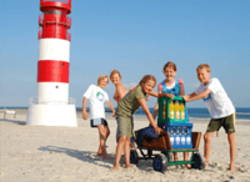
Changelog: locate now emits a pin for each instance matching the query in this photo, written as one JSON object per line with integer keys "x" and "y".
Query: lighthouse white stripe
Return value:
{"x": 54, "y": 49}
{"x": 52, "y": 91}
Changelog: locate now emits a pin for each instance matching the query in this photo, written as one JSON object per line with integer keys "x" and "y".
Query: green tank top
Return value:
{"x": 129, "y": 104}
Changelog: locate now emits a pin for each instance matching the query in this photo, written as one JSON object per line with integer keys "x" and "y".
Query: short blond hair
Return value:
{"x": 114, "y": 72}
{"x": 102, "y": 77}
{"x": 203, "y": 66}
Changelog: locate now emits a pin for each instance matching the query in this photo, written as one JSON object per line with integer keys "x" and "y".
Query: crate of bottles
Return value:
{"x": 171, "y": 110}
{"x": 180, "y": 135}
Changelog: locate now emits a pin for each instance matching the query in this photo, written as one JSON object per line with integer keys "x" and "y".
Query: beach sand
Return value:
{"x": 42, "y": 153}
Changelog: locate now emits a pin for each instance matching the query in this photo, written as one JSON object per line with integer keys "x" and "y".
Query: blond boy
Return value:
{"x": 98, "y": 97}
{"x": 220, "y": 108}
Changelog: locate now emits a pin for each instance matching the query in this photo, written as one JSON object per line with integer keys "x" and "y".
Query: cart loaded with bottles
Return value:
{"x": 177, "y": 136}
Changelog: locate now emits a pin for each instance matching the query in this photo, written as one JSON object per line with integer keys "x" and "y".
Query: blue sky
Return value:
{"x": 136, "y": 37}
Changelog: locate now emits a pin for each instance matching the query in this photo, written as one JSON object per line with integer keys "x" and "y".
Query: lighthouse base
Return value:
{"x": 52, "y": 115}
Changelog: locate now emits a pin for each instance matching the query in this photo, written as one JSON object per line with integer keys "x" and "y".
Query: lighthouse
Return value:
{"x": 52, "y": 105}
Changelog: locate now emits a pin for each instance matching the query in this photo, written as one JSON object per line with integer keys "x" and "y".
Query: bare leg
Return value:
{"x": 232, "y": 144}
{"x": 119, "y": 149}
{"x": 127, "y": 152}
{"x": 185, "y": 155}
{"x": 103, "y": 132}
{"x": 175, "y": 156}
{"x": 207, "y": 147}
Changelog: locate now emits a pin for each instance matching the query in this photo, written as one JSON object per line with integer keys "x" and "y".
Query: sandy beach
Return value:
{"x": 41, "y": 153}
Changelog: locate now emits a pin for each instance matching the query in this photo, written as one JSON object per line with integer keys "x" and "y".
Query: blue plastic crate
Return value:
{"x": 180, "y": 134}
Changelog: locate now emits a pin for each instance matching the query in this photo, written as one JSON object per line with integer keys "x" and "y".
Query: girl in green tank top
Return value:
{"x": 126, "y": 108}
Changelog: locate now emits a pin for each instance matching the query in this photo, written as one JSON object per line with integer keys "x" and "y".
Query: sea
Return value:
{"x": 242, "y": 113}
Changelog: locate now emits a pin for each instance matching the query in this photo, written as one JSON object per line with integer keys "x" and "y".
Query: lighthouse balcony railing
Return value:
{"x": 39, "y": 101}
{"x": 56, "y": 19}
{"x": 55, "y": 35}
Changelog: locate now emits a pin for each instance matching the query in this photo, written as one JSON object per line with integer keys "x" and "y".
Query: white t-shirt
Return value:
{"x": 218, "y": 103}
{"x": 97, "y": 97}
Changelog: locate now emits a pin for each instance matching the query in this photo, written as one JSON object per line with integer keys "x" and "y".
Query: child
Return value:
{"x": 98, "y": 97}
{"x": 120, "y": 92}
{"x": 124, "y": 112}
{"x": 220, "y": 108}
{"x": 173, "y": 87}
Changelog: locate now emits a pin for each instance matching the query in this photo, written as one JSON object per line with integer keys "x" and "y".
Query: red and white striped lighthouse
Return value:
{"x": 52, "y": 106}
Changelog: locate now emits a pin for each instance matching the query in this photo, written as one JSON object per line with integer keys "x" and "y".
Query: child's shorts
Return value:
{"x": 227, "y": 123}
{"x": 125, "y": 125}
{"x": 98, "y": 121}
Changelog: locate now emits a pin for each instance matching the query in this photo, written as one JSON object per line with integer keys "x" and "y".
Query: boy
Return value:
{"x": 98, "y": 97}
{"x": 220, "y": 108}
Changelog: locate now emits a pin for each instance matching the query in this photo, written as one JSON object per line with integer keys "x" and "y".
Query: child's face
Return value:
{"x": 115, "y": 78}
{"x": 103, "y": 82}
{"x": 148, "y": 86}
{"x": 169, "y": 73}
{"x": 203, "y": 75}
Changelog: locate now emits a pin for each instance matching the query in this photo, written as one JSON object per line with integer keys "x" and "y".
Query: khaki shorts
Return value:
{"x": 125, "y": 125}
{"x": 227, "y": 122}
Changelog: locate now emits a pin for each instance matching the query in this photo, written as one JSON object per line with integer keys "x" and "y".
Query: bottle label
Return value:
{"x": 183, "y": 140}
{"x": 177, "y": 115}
{"x": 177, "y": 140}
{"x": 172, "y": 114}
{"x": 182, "y": 115}
{"x": 172, "y": 140}
{"x": 188, "y": 140}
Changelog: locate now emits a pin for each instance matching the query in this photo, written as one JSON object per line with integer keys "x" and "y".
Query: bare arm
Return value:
{"x": 182, "y": 90}
{"x": 155, "y": 113}
{"x": 194, "y": 96}
{"x": 156, "y": 94}
{"x": 144, "y": 106}
{"x": 84, "y": 111}
{"x": 120, "y": 91}
{"x": 110, "y": 105}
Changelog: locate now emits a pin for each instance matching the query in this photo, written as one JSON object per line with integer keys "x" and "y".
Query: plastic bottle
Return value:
{"x": 182, "y": 111}
{"x": 178, "y": 136}
{"x": 183, "y": 137}
{"x": 171, "y": 109}
{"x": 188, "y": 137}
{"x": 177, "y": 110}
{"x": 172, "y": 134}
{"x": 164, "y": 110}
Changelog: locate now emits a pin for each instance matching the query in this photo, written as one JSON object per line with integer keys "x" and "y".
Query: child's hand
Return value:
{"x": 85, "y": 115}
{"x": 113, "y": 113}
{"x": 130, "y": 90}
{"x": 170, "y": 96}
{"x": 158, "y": 130}
{"x": 185, "y": 97}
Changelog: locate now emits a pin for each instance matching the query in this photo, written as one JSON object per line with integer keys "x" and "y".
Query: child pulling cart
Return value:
{"x": 176, "y": 137}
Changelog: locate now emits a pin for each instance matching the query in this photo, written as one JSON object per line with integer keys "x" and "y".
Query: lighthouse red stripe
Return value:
{"x": 53, "y": 71}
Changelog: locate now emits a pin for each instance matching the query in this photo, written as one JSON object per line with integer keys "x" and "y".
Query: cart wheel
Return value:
{"x": 134, "y": 158}
{"x": 199, "y": 163}
{"x": 160, "y": 163}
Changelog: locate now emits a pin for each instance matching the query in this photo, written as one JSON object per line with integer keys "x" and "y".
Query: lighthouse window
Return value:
{"x": 55, "y": 12}
{"x": 57, "y": 87}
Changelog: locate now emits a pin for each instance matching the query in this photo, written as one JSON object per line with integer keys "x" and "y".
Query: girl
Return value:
{"x": 173, "y": 87}
{"x": 124, "y": 112}
{"x": 120, "y": 92}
